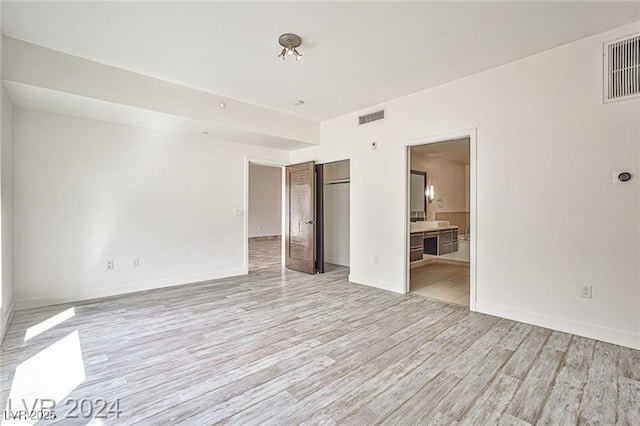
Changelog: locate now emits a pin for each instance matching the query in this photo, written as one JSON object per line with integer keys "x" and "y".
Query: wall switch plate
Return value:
{"x": 586, "y": 292}
{"x": 376, "y": 260}
{"x": 239, "y": 212}
{"x": 136, "y": 262}
{"x": 109, "y": 265}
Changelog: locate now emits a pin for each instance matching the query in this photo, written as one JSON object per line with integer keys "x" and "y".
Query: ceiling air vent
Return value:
{"x": 622, "y": 68}
{"x": 368, "y": 118}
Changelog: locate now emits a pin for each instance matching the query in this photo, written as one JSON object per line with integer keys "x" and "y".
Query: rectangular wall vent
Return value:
{"x": 368, "y": 118}
{"x": 622, "y": 68}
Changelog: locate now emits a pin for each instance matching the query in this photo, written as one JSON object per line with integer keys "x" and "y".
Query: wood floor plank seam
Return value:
{"x": 390, "y": 349}
{"x": 550, "y": 389}
{"x": 521, "y": 382}
{"x": 381, "y": 389}
{"x": 489, "y": 381}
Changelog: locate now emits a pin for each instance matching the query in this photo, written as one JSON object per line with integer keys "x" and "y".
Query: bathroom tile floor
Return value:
{"x": 443, "y": 282}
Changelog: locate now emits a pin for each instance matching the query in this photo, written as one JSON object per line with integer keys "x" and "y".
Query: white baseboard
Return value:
{"x": 372, "y": 282}
{"x": 336, "y": 261}
{"x": 609, "y": 335}
{"x": 8, "y": 316}
{"x": 421, "y": 263}
{"x": 95, "y": 293}
{"x": 265, "y": 237}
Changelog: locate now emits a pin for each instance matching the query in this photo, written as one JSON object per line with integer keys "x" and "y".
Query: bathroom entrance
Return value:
{"x": 440, "y": 220}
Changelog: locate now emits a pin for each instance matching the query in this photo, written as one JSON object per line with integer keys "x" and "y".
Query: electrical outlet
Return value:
{"x": 376, "y": 260}
{"x": 374, "y": 145}
{"x": 109, "y": 265}
{"x": 586, "y": 291}
{"x": 136, "y": 262}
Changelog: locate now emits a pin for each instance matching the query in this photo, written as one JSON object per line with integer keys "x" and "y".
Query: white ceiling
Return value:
{"x": 456, "y": 150}
{"x": 355, "y": 54}
{"x": 42, "y": 99}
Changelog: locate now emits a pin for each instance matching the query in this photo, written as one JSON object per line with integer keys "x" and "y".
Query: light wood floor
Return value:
{"x": 281, "y": 348}
{"x": 441, "y": 281}
{"x": 265, "y": 253}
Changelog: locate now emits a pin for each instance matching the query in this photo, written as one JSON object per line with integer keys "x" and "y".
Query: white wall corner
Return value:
{"x": 342, "y": 261}
{"x": 374, "y": 282}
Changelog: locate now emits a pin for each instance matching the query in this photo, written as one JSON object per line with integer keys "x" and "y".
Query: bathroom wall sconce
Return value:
{"x": 430, "y": 193}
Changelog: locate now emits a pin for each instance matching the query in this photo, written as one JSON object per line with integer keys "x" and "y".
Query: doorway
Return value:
{"x": 336, "y": 194}
{"x": 264, "y": 217}
{"x": 317, "y": 216}
{"x": 440, "y": 220}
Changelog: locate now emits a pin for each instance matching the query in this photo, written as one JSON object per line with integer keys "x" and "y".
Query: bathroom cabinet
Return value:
{"x": 435, "y": 242}
{"x": 416, "y": 246}
{"x": 448, "y": 241}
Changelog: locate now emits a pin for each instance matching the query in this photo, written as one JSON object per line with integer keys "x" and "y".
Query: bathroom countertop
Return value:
{"x": 415, "y": 229}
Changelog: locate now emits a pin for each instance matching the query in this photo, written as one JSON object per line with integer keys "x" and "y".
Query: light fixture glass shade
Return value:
{"x": 289, "y": 42}
{"x": 430, "y": 193}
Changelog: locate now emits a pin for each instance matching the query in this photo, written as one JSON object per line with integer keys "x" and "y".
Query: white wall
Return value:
{"x": 6, "y": 203}
{"x": 336, "y": 212}
{"x": 546, "y": 147}
{"x": 265, "y": 201}
{"x": 467, "y": 188}
{"x": 448, "y": 180}
{"x": 88, "y": 191}
{"x": 449, "y": 186}
{"x": 6, "y": 210}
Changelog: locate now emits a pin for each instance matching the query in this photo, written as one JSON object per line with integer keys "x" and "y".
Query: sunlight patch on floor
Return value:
{"x": 49, "y": 323}
{"x": 51, "y": 374}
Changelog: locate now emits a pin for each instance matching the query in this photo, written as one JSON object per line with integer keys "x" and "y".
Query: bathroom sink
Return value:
{"x": 428, "y": 225}
{"x": 435, "y": 223}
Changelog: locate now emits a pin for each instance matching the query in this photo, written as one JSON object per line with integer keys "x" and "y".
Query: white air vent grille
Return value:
{"x": 622, "y": 68}
{"x": 368, "y": 118}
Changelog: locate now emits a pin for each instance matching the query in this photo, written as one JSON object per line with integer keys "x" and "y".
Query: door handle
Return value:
{"x": 311, "y": 222}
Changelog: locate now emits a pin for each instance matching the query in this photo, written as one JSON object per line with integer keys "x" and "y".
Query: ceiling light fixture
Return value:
{"x": 290, "y": 43}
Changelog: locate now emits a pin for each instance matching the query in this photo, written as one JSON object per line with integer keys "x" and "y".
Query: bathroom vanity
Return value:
{"x": 435, "y": 238}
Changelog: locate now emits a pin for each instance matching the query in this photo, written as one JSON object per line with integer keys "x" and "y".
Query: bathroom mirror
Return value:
{"x": 418, "y": 198}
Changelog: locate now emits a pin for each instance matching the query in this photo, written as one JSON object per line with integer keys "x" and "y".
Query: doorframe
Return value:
{"x": 319, "y": 218}
{"x": 473, "y": 206}
{"x": 269, "y": 163}
{"x": 323, "y": 162}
